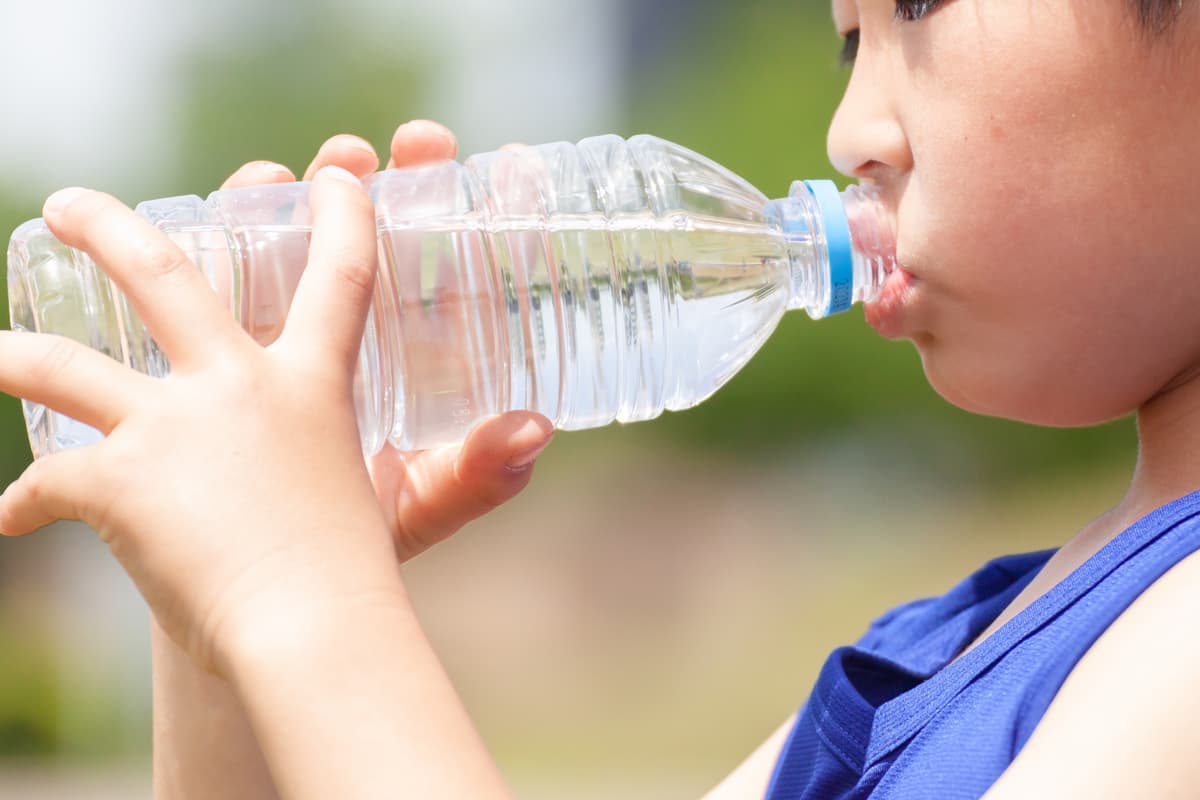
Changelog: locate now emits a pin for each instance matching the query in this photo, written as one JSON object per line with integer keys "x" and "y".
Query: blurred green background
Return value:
{"x": 662, "y": 596}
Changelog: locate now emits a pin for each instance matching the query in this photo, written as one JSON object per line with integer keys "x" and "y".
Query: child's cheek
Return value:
{"x": 1008, "y": 308}
{"x": 1048, "y": 220}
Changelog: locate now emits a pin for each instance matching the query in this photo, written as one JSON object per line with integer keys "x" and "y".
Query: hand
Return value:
{"x": 233, "y": 491}
{"x": 426, "y": 496}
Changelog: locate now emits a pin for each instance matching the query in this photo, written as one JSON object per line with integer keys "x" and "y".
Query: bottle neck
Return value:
{"x": 840, "y": 246}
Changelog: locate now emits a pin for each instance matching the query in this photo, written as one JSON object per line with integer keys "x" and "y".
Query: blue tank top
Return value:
{"x": 895, "y": 717}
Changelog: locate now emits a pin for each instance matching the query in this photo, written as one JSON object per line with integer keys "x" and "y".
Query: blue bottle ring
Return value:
{"x": 836, "y": 228}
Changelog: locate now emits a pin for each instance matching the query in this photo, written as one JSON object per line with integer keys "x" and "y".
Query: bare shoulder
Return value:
{"x": 1123, "y": 723}
{"x": 749, "y": 781}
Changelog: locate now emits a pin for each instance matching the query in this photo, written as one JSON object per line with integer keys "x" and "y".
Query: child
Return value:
{"x": 257, "y": 540}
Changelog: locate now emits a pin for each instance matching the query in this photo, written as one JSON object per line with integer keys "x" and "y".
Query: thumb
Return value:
{"x": 449, "y": 487}
{"x": 501, "y": 448}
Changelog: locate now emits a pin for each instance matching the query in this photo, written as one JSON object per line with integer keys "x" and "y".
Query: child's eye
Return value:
{"x": 849, "y": 49}
{"x": 906, "y": 11}
{"x": 911, "y": 10}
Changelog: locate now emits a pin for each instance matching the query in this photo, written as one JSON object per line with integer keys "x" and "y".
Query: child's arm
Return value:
{"x": 234, "y": 494}
{"x": 204, "y": 746}
{"x": 750, "y": 780}
{"x": 199, "y": 722}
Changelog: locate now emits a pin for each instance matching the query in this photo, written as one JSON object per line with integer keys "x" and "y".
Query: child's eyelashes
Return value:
{"x": 849, "y": 49}
{"x": 911, "y": 10}
{"x": 906, "y": 11}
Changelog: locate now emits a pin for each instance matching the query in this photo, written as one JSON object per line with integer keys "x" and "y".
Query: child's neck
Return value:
{"x": 1168, "y": 464}
{"x": 1168, "y": 467}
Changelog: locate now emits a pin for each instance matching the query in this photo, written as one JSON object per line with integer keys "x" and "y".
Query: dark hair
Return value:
{"x": 1157, "y": 16}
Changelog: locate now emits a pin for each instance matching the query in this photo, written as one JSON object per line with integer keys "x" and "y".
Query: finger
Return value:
{"x": 270, "y": 278}
{"x": 351, "y": 153}
{"x": 68, "y": 377}
{"x": 258, "y": 173}
{"x": 417, "y": 142}
{"x": 169, "y": 293}
{"x": 330, "y": 307}
{"x": 420, "y": 142}
{"x": 54, "y": 487}
{"x": 448, "y": 488}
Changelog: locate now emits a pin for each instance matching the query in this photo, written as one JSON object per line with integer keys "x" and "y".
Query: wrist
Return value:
{"x": 299, "y": 596}
{"x": 349, "y": 700}
{"x": 276, "y": 629}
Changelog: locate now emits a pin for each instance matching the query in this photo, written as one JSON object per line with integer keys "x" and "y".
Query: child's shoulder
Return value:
{"x": 1122, "y": 723}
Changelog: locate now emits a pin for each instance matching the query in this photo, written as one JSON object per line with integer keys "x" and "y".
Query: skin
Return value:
{"x": 203, "y": 742}
{"x": 1055, "y": 286}
{"x": 202, "y": 587}
{"x": 1048, "y": 279}
{"x": 268, "y": 577}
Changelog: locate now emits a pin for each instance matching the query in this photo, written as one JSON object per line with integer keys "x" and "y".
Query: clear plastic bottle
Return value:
{"x": 591, "y": 282}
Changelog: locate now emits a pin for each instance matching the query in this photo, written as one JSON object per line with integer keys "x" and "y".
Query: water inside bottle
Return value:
{"x": 583, "y": 318}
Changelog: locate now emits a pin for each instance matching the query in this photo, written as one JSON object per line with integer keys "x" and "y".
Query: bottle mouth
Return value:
{"x": 873, "y": 239}
{"x": 872, "y": 226}
{"x": 841, "y": 245}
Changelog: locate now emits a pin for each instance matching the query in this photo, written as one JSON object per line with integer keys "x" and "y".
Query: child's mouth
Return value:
{"x": 886, "y": 312}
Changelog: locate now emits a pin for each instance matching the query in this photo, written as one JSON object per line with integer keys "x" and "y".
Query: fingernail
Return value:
{"x": 526, "y": 456}
{"x": 338, "y": 174}
{"x": 61, "y": 199}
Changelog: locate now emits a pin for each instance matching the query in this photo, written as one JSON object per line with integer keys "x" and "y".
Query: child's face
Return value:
{"x": 1041, "y": 156}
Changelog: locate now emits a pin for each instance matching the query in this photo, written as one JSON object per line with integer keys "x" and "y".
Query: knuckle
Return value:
{"x": 124, "y": 466}
{"x": 55, "y": 361}
{"x": 251, "y": 382}
{"x": 356, "y": 270}
{"x": 242, "y": 380}
{"x": 482, "y": 494}
{"x": 32, "y": 484}
{"x": 489, "y": 497}
{"x": 101, "y": 507}
{"x": 412, "y": 538}
{"x": 159, "y": 258}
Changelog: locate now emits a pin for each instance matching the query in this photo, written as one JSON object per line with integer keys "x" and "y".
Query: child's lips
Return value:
{"x": 886, "y": 312}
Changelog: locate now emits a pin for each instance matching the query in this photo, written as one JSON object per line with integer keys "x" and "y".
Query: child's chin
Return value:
{"x": 1028, "y": 401}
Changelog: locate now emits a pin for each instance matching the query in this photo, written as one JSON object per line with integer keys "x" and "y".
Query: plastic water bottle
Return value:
{"x": 591, "y": 282}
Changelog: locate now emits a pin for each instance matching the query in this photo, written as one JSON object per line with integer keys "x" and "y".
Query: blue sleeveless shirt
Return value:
{"x": 895, "y": 716}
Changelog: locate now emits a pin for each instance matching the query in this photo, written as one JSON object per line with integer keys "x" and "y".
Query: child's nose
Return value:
{"x": 866, "y": 139}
